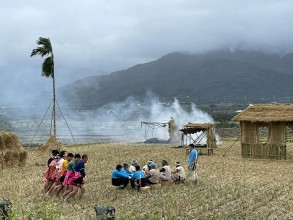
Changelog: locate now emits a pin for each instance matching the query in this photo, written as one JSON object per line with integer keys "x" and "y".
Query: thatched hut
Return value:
{"x": 206, "y": 130}
{"x": 274, "y": 119}
{"x": 12, "y": 153}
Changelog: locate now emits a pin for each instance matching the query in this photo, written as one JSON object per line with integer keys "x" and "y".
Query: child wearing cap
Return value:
{"x": 146, "y": 168}
{"x": 153, "y": 176}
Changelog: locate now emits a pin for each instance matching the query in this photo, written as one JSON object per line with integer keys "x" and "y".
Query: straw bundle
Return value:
{"x": 12, "y": 152}
{"x": 2, "y": 159}
{"x": 11, "y": 158}
{"x": 51, "y": 144}
{"x": 22, "y": 157}
{"x": 2, "y": 145}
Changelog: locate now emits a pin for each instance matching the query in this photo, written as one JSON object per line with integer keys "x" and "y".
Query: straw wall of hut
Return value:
{"x": 248, "y": 132}
{"x": 277, "y": 134}
{"x": 274, "y": 117}
{"x": 211, "y": 137}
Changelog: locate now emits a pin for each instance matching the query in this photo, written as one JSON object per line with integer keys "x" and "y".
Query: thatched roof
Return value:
{"x": 266, "y": 113}
{"x": 191, "y": 128}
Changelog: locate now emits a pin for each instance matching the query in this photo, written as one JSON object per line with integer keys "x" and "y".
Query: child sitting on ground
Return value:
{"x": 138, "y": 178}
{"x": 178, "y": 175}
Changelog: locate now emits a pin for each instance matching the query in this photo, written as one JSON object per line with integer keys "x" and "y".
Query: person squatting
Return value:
{"x": 65, "y": 175}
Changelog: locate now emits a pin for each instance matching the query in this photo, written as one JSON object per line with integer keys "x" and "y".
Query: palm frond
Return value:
{"x": 48, "y": 67}
{"x": 44, "y": 49}
{"x": 40, "y": 51}
{"x": 45, "y": 43}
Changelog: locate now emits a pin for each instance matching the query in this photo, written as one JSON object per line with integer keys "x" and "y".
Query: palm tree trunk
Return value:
{"x": 54, "y": 106}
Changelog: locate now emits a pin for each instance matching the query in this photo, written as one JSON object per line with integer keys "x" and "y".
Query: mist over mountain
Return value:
{"x": 213, "y": 76}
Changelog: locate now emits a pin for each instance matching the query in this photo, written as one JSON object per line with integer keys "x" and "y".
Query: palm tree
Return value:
{"x": 45, "y": 49}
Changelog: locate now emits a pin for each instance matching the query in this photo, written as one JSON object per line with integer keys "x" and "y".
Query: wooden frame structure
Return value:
{"x": 152, "y": 126}
{"x": 206, "y": 130}
{"x": 275, "y": 118}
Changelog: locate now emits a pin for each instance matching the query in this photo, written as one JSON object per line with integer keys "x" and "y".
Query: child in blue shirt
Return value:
{"x": 138, "y": 178}
{"x": 120, "y": 178}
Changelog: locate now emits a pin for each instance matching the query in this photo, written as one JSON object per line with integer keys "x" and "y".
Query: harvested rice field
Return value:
{"x": 230, "y": 187}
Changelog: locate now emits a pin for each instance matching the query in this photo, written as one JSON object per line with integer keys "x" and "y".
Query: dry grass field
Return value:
{"x": 230, "y": 187}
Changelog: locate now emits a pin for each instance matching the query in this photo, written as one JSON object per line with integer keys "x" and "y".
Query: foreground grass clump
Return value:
{"x": 230, "y": 187}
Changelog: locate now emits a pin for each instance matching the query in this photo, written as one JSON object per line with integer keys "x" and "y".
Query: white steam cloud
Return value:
{"x": 122, "y": 120}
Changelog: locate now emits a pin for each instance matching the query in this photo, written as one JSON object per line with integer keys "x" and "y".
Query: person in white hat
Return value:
{"x": 178, "y": 175}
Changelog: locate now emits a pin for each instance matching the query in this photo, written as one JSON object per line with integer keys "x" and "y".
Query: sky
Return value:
{"x": 93, "y": 37}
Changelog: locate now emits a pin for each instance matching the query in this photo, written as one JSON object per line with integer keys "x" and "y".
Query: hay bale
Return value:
{"x": 22, "y": 157}
{"x": 2, "y": 160}
{"x": 12, "y": 152}
{"x": 2, "y": 145}
{"x": 51, "y": 144}
{"x": 10, "y": 141}
{"x": 11, "y": 158}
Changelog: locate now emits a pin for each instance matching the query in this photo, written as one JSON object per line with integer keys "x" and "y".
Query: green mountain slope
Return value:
{"x": 218, "y": 75}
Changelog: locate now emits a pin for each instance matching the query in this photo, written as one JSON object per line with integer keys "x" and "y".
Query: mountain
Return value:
{"x": 215, "y": 75}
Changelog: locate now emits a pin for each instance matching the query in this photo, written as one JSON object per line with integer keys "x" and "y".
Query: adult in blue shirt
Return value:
{"x": 138, "y": 178}
{"x": 192, "y": 164}
{"x": 120, "y": 178}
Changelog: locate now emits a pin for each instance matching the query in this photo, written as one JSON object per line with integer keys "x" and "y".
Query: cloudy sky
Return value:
{"x": 92, "y": 37}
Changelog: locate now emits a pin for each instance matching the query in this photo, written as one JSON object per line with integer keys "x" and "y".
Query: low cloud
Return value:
{"x": 98, "y": 37}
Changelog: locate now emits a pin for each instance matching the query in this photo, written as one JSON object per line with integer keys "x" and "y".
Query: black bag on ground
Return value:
{"x": 5, "y": 209}
{"x": 104, "y": 213}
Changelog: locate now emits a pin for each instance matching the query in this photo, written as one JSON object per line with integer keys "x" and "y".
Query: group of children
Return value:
{"x": 64, "y": 175}
{"x": 148, "y": 174}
